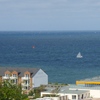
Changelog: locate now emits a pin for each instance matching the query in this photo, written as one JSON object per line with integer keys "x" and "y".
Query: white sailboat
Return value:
{"x": 79, "y": 55}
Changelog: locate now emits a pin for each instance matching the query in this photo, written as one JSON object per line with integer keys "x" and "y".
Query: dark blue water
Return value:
{"x": 54, "y": 52}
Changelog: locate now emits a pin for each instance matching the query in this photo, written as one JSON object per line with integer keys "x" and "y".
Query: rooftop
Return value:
{"x": 67, "y": 90}
{"x": 64, "y": 90}
{"x": 96, "y": 79}
{"x": 20, "y": 70}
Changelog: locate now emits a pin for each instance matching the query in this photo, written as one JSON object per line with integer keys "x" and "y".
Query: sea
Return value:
{"x": 53, "y": 51}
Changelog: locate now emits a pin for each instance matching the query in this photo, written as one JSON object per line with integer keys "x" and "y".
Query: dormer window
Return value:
{"x": 14, "y": 75}
{"x": 7, "y": 75}
{"x": 26, "y": 75}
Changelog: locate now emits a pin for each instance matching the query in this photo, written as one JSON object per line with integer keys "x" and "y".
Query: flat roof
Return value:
{"x": 64, "y": 90}
{"x": 49, "y": 89}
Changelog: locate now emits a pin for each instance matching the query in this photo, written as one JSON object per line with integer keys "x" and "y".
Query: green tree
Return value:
{"x": 9, "y": 91}
{"x": 38, "y": 90}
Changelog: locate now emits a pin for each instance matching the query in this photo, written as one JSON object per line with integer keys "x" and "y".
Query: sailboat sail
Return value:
{"x": 79, "y": 55}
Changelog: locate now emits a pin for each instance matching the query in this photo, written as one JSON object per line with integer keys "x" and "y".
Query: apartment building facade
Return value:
{"x": 27, "y": 77}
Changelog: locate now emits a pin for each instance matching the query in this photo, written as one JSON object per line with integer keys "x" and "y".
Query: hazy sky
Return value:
{"x": 31, "y": 15}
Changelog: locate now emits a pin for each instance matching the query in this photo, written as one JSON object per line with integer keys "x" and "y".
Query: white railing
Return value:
{"x": 13, "y": 77}
{"x": 5, "y": 77}
{"x": 25, "y": 78}
{"x": 9, "y": 77}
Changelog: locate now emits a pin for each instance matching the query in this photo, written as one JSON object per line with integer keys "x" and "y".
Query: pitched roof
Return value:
{"x": 20, "y": 70}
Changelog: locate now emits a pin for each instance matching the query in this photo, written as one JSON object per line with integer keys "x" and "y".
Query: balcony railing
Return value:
{"x": 24, "y": 84}
{"x": 25, "y": 78}
{"x": 13, "y": 77}
{"x": 5, "y": 77}
{"x": 9, "y": 77}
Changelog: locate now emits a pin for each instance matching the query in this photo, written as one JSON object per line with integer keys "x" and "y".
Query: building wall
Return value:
{"x": 69, "y": 96}
{"x": 53, "y": 98}
{"x": 60, "y": 97}
{"x": 31, "y": 84}
{"x": 41, "y": 78}
{"x": 19, "y": 80}
{"x": 56, "y": 98}
{"x": 0, "y": 78}
{"x": 95, "y": 93}
{"x": 45, "y": 93}
{"x": 88, "y": 82}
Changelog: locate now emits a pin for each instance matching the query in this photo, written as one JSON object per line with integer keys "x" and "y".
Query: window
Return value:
{"x": 73, "y": 96}
{"x": 14, "y": 75}
{"x": 28, "y": 82}
{"x": 78, "y": 96}
{"x": 7, "y": 75}
{"x": 25, "y": 87}
{"x": 27, "y": 75}
{"x": 82, "y": 96}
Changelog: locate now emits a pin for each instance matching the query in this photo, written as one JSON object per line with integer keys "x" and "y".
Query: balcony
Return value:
{"x": 5, "y": 77}
{"x": 24, "y": 84}
{"x": 25, "y": 78}
{"x": 13, "y": 77}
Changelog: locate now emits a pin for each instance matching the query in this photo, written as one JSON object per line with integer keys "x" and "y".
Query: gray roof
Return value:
{"x": 66, "y": 90}
{"x": 20, "y": 70}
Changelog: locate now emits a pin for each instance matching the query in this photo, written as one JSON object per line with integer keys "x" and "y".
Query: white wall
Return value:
{"x": 68, "y": 95}
{"x": 52, "y": 98}
{"x": 41, "y": 78}
{"x": 45, "y": 93}
{"x": 95, "y": 93}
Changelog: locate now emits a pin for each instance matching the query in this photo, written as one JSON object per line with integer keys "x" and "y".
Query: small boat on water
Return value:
{"x": 79, "y": 55}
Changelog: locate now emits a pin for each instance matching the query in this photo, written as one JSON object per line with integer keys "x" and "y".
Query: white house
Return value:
{"x": 40, "y": 78}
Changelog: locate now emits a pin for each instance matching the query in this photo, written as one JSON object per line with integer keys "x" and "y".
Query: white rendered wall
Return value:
{"x": 45, "y": 93}
{"x": 41, "y": 78}
{"x": 52, "y": 98}
{"x": 68, "y": 95}
{"x": 95, "y": 93}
